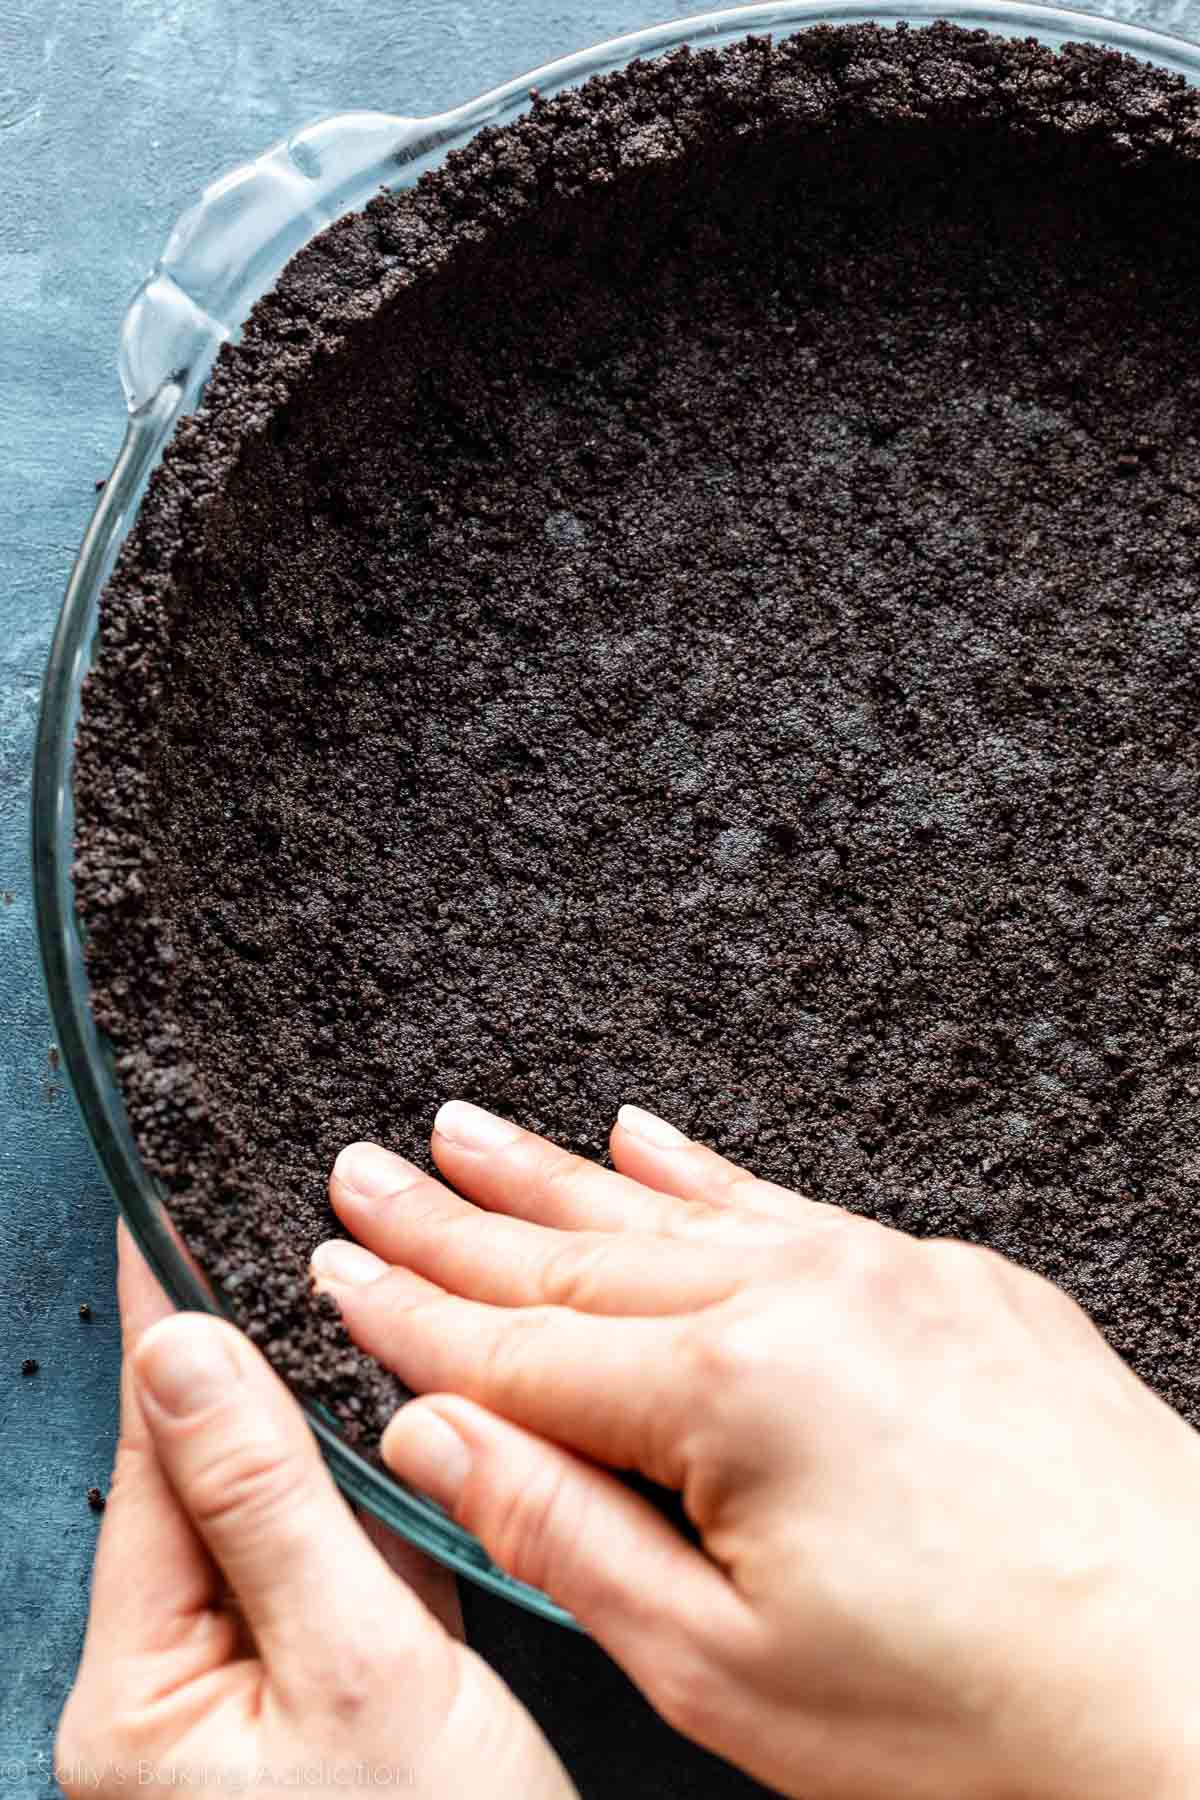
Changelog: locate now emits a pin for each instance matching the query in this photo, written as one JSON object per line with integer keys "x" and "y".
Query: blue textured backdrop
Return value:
{"x": 113, "y": 113}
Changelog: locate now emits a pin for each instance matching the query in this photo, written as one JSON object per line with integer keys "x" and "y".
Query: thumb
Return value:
{"x": 559, "y": 1523}
{"x": 246, "y": 1469}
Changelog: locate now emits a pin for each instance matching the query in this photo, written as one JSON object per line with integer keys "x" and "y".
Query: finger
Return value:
{"x": 154, "y": 1587}
{"x": 432, "y": 1583}
{"x": 247, "y": 1471}
{"x": 656, "y": 1154}
{"x": 611, "y": 1388}
{"x": 140, "y": 1300}
{"x": 508, "y": 1170}
{"x": 404, "y": 1217}
{"x": 574, "y": 1531}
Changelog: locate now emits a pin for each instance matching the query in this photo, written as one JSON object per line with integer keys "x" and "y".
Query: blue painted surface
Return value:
{"x": 113, "y": 113}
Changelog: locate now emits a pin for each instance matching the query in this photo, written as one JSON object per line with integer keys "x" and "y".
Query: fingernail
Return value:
{"x": 186, "y": 1364}
{"x": 650, "y": 1128}
{"x": 373, "y": 1172}
{"x": 424, "y": 1450}
{"x": 473, "y": 1128}
{"x": 337, "y": 1260}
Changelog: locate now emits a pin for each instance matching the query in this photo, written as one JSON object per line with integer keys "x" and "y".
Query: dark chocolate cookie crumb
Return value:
{"x": 30, "y": 1366}
{"x": 85, "y": 1311}
{"x": 96, "y": 1500}
{"x": 695, "y": 602}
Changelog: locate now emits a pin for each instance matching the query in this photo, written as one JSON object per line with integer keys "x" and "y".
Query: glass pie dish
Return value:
{"x": 223, "y": 255}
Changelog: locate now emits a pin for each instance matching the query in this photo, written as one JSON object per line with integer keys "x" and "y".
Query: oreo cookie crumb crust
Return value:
{"x": 694, "y": 603}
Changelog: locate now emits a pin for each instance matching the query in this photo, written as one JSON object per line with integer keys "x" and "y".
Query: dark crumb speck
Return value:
{"x": 96, "y": 1500}
{"x": 85, "y": 1311}
{"x": 30, "y": 1366}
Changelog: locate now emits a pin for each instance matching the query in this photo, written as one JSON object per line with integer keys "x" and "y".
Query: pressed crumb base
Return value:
{"x": 724, "y": 637}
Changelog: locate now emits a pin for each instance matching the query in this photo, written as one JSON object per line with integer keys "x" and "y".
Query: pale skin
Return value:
{"x": 948, "y": 1538}
{"x": 247, "y": 1633}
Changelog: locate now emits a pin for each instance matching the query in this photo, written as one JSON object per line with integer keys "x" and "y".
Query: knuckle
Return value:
{"x": 965, "y": 1264}
{"x": 742, "y": 1189}
{"x": 511, "y": 1355}
{"x": 246, "y": 1483}
{"x": 133, "y": 1457}
{"x": 738, "y": 1208}
{"x": 728, "y": 1348}
{"x": 965, "y": 1288}
{"x": 573, "y": 1272}
{"x": 1032, "y": 1297}
{"x": 565, "y": 1176}
{"x": 424, "y": 1317}
{"x": 870, "y": 1264}
{"x": 533, "y": 1525}
{"x": 425, "y": 1208}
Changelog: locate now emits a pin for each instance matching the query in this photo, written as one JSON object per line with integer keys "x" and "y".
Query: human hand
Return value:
{"x": 244, "y": 1632}
{"x": 949, "y": 1539}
